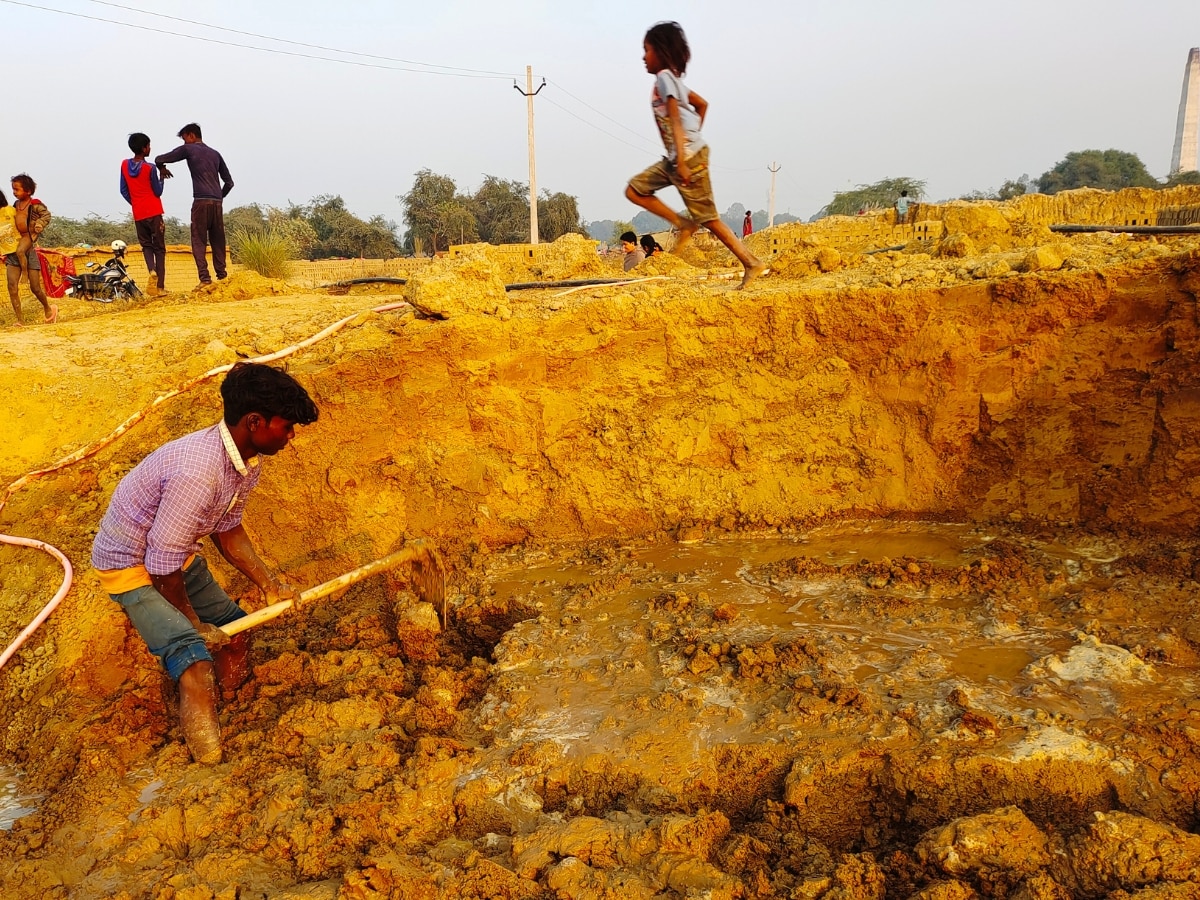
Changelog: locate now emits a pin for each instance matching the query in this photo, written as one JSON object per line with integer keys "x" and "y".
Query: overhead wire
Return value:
{"x": 267, "y": 37}
{"x": 210, "y": 40}
{"x": 622, "y": 140}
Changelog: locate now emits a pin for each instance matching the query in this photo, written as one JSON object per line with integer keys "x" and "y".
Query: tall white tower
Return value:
{"x": 1186, "y": 155}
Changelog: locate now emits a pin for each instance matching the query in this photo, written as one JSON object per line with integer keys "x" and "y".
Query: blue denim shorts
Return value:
{"x": 167, "y": 632}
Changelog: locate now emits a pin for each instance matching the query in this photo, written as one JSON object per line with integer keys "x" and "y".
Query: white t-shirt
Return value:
{"x": 668, "y": 84}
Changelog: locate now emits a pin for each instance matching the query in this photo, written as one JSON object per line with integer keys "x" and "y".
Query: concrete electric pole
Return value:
{"x": 530, "y": 93}
{"x": 772, "y": 168}
{"x": 1186, "y": 155}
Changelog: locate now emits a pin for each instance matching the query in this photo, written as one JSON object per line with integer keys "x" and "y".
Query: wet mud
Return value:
{"x": 815, "y": 591}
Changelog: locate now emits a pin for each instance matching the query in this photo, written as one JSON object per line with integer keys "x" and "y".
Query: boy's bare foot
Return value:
{"x": 18, "y": 324}
{"x": 687, "y": 228}
{"x": 52, "y": 316}
{"x": 752, "y": 272}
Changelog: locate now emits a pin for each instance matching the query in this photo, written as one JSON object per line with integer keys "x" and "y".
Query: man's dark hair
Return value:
{"x": 191, "y": 128}
{"x": 670, "y": 45}
{"x": 252, "y": 387}
{"x": 629, "y": 237}
{"x": 3, "y": 200}
{"x": 24, "y": 181}
{"x": 139, "y": 143}
{"x": 904, "y": 193}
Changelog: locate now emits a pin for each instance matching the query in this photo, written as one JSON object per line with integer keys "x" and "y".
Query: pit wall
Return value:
{"x": 1066, "y": 399}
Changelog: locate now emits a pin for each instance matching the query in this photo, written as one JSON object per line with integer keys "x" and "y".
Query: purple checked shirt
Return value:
{"x": 186, "y": 489}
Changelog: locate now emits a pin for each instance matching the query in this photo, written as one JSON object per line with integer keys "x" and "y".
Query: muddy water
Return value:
{"x": 769, "y": 715}
{"x": 15, "y": 802}
{"x": 619, "y": 633}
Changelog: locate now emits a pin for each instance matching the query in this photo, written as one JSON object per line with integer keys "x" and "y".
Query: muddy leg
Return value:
{"x": 198, "y": 712}
{"x": 233, "y": 666}
{"x": 14, "y": 295}
{"x": 752, "y": 264}
{"x": 35, "y": 285}
{"x": 651, "y": 203}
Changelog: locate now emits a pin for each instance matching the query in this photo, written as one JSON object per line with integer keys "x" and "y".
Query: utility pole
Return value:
{"x": 772, "y": 168}
{"x": 530, "y": 93}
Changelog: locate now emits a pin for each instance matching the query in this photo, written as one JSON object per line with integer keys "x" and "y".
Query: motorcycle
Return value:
{"x": 107, "y": 283}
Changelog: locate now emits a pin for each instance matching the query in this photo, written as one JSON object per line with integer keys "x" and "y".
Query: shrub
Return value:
{"x": 268, "y": 251}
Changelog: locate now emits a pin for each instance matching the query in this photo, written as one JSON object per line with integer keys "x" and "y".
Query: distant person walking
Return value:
{"x": 679, "y": 113}
{"x": 902, "y": 207}
{"x": 633, "y": 253}
{"x": 142, "y": 187}
{"x": 748, "y": 224}
{"x": 211, "y": 184}
{"x": 30, "y": 218}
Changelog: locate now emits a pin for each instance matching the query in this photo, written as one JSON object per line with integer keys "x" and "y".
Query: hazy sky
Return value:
{"x": 961, "y": 94}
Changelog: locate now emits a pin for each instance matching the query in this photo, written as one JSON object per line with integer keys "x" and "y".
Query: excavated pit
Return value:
{"x": 833, "y": 588}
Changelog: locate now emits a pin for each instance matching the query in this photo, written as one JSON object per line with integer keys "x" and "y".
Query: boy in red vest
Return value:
{"x": 142, "y": 187}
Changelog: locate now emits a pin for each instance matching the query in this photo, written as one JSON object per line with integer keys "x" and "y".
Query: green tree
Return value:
{"x": 1179, "y": 178}
{"x": 251, "y": 218}
{"x": 501, "y": 209}
{"x": 94, "y": 231}
{"x": 435, "y": 212}
{"x": 1109, "y": 170}
{"x": 558, "y": 214}
{"x": 618, "y": 229}
{"x": 880, "y": 195}
{"x": 341, "y": 233}
{"x": 1014, "y": 188}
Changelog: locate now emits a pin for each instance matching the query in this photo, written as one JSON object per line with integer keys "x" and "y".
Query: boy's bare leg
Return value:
{"x": 685, "y": 227}
{"x": 35, "y": 285}
{"x": 752, "y": 264}
{"x": 23, "y": 248}
{"x": 14, "y": 280}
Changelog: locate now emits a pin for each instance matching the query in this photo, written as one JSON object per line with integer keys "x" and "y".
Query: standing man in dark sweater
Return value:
{"x": 211, "y": 182}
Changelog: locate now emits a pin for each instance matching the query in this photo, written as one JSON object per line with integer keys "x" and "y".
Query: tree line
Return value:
{"x": 438, "y": 214}
{"x": 1109, "y": 170}
{"x": 320, "y": 229}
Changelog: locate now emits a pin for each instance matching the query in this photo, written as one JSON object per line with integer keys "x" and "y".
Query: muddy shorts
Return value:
{"x": 167, "y": 632}
{"x": 697, "y": 194}
{"x": 11, "y": 259}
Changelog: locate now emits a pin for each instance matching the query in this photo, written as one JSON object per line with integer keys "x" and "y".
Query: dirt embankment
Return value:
{"x": 732, "y": 754}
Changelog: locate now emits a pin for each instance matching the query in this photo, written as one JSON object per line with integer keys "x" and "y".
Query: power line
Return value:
{"x": 267, "y": 37}
{"x": 208, "y": 40}
{"x": 559, "y": 85}
{"x": 594, "y": 125}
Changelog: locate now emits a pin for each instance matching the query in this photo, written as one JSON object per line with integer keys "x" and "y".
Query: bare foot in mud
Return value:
{"x": 686, "y": 229}
{"x": 52, "y": 316}
{"x": 752, "y": 272}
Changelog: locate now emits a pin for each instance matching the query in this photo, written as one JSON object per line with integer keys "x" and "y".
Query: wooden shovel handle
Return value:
{"x": 416, "y": 550}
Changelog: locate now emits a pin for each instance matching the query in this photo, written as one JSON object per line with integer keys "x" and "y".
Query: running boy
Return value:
{"x": 142, "y": 187}
{"x": 31, "y": 219}
{"x": 680, "y": 115}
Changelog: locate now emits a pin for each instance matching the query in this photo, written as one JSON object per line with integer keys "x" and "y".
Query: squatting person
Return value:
{"x": 147, "y": 550}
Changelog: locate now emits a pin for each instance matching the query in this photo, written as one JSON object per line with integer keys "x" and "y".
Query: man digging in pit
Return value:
{"x": 147, "y": 550}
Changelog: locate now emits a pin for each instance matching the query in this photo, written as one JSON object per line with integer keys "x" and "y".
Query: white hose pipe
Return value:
{"x": 63, "y": 589}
